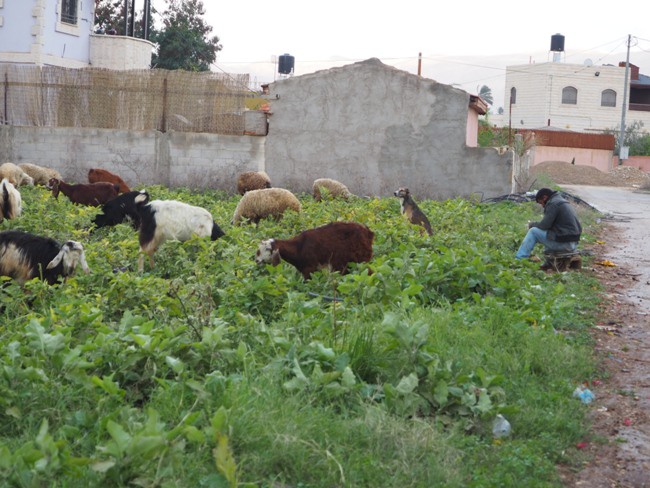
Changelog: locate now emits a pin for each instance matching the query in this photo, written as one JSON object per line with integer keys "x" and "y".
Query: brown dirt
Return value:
{"x": 577, "y": 174}
{"x": 616, "y": 451}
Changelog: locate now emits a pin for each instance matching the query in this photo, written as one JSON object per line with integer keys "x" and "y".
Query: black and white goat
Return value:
{"x": 24, "y": 256}
{"x": 120, "y": 209}
{"x": 162, "y": 220}
{"x": 10, "y": 201}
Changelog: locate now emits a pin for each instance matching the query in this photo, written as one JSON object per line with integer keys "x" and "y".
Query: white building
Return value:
{"x": 60, "y": 33}
{"x": 577, "y": 97}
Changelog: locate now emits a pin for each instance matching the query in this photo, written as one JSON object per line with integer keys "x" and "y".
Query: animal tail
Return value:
{"x": 4, "y": 202}
{"x": 216, "y": 232}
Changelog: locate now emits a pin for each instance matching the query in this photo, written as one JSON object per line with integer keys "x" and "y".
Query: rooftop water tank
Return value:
{"x": 557, "y": 43}
{"x": 285, "y": 66}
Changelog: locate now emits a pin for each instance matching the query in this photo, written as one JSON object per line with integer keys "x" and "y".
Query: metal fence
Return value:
{"x": 130, "y": 100}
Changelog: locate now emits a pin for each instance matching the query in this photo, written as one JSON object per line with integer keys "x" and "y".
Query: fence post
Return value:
{"x": 163, "y": 123}
{"x": 5, "y": 116}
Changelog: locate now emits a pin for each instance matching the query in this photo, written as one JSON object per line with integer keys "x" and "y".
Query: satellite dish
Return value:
{"x": 588, "y": 62}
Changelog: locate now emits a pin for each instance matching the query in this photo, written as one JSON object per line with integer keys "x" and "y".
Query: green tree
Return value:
{"x": 635, "y": 138}
{"x": 486, "y": 94}
{"x": 109, "y": 14}
{"x": 184, "y": 42}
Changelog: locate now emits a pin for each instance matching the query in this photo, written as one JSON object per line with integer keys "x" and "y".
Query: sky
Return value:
{"x": 466, "y": 44}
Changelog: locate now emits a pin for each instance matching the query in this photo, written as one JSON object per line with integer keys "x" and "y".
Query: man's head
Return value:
{"x": 543, "y": 195}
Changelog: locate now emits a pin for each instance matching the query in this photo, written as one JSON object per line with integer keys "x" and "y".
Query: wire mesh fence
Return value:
{"x": 161, "y": 100}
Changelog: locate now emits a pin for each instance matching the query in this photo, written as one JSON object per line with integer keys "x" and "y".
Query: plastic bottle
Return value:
{"x": 500, "y": 427}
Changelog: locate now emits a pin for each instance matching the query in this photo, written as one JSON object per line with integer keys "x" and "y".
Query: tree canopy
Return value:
{"x": 185, "y": 41}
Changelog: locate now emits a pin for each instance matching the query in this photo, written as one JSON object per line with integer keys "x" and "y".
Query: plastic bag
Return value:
{"x": 501, "y": 427}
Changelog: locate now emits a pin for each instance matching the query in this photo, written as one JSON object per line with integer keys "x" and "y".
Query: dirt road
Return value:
{"x": 619, "y": 446}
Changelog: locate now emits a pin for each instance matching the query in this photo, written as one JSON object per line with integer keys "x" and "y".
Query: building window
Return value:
{"x": 569, "y": 95}
{"x": 69, "y": 11}
{"x": 608, "y": 98}
{"x": 513, "y": 95}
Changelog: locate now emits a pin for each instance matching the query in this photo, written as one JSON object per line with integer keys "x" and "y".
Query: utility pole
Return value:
{"x": 621, "y": 135}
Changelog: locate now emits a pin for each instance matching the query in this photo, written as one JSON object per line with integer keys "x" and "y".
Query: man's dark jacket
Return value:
{"x": 559, "y": 220}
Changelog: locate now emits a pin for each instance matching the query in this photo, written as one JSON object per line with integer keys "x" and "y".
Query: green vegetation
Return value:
{"x": 211, "y": 371}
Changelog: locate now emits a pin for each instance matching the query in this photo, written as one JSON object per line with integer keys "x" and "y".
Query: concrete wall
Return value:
{"x": 141, "y": 158}
{"x": 376, "y": 128}
{"x": 120, "y": 52}
{"x": 641, "y": 162}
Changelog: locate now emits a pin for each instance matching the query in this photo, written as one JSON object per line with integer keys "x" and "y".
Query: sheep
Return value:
{"x": 162, "y": 220}
{"x": 15, "y": 175}
{"x": 92, "y": 194}
{"x": 24, "y": 256}
{"x": 40, "y": 174}
{"x": 252, "y": 180}
{"x": 10, "y": 201}
{"x": 96, "y": 175}
{"x": 256, "y": 205}
{"x": 411, "y": 210}
{"x": 332, "y": 246}
{"x": 119, "y": 209}
{"x": 334, "y": 188}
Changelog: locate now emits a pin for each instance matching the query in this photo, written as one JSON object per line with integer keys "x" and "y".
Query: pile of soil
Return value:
{"x": 577, "y": 174}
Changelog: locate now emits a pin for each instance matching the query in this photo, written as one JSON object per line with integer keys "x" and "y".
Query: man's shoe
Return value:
{"x": 534, "y": 259}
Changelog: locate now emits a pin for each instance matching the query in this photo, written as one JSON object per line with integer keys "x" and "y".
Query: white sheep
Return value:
{"x": 162, "y": 220}
{"x": 334, "y": 188}
{"x": 15, "y": 175}
{"x": 40, "y": 174}
{"x": 10, "y": 201}
{"x": 252, "y": 180}
{"x": 256, "y": 205}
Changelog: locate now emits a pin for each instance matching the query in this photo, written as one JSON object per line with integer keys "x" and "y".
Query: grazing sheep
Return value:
{"x": 15, "y": 175}
{"x": 119, "y": 209}
{"x": 334, "y": 188}
{"x": 331, "y": 246}
{"x": 92, "y": 194}
{"x": 162, "y": 220}
{"x": 411, "y": 210}
{"x": 252, "y": 180}
{"x": 10, "y": 201}
{"x": 256, "y": 205}
{"x": 96, "y": 175}
{"x": 24, "y": 256}
{"x": 40, "y": 174}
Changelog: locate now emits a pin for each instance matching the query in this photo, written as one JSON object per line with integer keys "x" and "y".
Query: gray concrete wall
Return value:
{"x": 140, "y": 158}
{"x": 376, "y": 128}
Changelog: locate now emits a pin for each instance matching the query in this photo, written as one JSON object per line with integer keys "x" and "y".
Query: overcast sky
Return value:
{"x": 468, "y": 44}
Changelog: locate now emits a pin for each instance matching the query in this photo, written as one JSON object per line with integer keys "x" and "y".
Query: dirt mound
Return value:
{"x": 577, "y": 174}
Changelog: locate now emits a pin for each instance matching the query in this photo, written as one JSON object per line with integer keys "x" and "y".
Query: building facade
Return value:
{"x": 576, "y": 97}
{"x": 60, "y": 33}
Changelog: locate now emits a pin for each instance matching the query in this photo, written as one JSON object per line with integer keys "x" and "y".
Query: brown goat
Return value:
{"x": 331, "y": 246}
{"x": 93, "y": 194}
{"x": 96, "y": 175}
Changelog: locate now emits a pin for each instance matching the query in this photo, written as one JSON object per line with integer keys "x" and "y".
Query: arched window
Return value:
{"x": 569, "y": 95}
{"x": 513, "y": 95}
{"x": 608, "y": 98}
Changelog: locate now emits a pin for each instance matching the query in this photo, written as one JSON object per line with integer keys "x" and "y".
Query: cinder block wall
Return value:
{"x": 141, "y": 158}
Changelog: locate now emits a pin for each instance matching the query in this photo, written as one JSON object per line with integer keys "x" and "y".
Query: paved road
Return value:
{"x": 630, "y": 211}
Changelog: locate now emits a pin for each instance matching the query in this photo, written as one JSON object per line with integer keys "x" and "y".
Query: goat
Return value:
{"x": 92, "y": 194}
{"x": 332, "y": 246}
{"x": 119, "y": 209}
{"x": 411, "y": 210}
{"x": 24, "y": 256}
{"x": 96, "y": 175}
{"x": 162, "y": 220}
{"x": 10, "y": 201}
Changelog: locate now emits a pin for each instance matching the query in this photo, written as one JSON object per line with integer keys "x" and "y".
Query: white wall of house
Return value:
{"x": 32, "y": 33}
{"x": 539, "y": 97}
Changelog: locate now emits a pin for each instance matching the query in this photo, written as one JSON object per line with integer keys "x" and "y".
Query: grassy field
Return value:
{"x": 208, "y": 370}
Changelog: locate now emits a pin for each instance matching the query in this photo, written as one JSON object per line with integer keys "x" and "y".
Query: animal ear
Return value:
{"x": 57, "y": 259}
{"x": 275, "y": 257}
